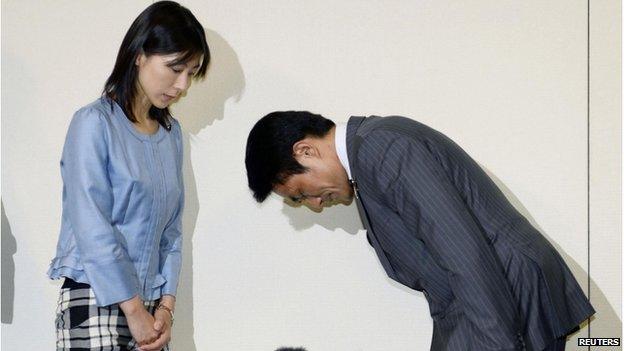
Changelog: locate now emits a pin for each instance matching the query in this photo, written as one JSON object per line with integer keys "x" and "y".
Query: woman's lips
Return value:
{"x": 168, "y": 97}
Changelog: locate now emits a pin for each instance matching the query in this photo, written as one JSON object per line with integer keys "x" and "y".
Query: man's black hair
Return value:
{"x": 269, "y": 156}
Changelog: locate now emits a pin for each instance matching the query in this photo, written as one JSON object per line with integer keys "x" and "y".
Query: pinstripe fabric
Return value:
{"x": 440, "y": 225}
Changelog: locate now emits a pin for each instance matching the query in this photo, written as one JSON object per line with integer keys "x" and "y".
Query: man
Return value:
{"x": 436, "y": 221}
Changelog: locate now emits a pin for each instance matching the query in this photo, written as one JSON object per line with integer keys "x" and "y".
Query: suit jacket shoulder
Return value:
{"x": 371, "y": 139}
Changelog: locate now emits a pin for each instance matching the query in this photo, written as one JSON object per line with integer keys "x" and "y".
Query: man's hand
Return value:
{"x": 140, "y": 322}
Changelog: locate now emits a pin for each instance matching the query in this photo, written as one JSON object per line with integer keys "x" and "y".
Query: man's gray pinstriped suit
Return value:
{"x": 440, "y": 225}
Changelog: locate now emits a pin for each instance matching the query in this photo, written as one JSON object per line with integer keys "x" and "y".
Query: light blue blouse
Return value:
{"x": 122, "y": 206}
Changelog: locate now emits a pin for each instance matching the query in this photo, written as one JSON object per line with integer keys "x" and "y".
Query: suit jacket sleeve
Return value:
{"x": 416, "y": 187}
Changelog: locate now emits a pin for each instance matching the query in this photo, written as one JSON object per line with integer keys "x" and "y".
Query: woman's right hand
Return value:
{"x": 140, "y": 322}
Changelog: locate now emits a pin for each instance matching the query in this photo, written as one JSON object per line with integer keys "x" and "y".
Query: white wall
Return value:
{"x": 506, "y": 79}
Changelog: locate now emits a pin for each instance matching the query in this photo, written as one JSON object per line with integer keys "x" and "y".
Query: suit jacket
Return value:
{"x": 441, "y": 226}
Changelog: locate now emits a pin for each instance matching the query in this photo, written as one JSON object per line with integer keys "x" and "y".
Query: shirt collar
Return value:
{"x": 341, "y": 147}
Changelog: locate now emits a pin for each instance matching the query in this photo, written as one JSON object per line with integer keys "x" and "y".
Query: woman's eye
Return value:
{"x": 177, "y": 70}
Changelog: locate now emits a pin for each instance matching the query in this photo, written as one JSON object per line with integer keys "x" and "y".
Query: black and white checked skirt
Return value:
{"x": 81, "y": 325}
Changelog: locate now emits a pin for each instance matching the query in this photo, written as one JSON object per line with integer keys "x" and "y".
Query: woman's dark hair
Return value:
{"x": 269, "y": 156}
{"x": 164, "y": 28}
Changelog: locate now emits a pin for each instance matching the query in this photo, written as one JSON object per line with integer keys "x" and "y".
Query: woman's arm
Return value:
{"x": 171, "y": 240}
{"x": 88, "y": 202}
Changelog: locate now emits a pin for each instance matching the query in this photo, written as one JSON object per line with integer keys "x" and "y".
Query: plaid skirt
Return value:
{"x": 81, "y": 325}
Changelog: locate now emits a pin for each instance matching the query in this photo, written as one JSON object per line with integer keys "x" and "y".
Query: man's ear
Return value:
{"x": 302, "y": 149}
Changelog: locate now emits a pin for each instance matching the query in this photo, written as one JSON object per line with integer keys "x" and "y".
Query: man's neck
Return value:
{"x": 329, "y": 145}
{"x": 340, "y": 145}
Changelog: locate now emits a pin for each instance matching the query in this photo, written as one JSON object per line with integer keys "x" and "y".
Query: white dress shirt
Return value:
{"x": 341, "y": 147}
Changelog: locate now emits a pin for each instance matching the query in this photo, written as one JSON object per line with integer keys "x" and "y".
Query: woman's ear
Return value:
{"x": 140, "y": 59}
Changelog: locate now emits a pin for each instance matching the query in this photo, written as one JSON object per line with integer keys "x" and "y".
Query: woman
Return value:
{"x": 120, "y": 240}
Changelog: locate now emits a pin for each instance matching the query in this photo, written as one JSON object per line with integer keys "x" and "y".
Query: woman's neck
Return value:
{"x": 141, "y": 107}
{"x": 140, "y": 110}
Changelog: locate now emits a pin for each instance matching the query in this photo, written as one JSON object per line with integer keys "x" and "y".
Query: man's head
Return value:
{"x": 293, "y": 153}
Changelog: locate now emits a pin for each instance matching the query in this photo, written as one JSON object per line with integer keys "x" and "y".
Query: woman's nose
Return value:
{"x": 183, "y": 82}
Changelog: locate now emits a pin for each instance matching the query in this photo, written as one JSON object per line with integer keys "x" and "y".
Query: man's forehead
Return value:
{"x": 286, "y": 189}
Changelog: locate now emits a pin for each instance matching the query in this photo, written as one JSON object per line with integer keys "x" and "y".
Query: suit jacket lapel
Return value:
{"x": 353, "y": 143}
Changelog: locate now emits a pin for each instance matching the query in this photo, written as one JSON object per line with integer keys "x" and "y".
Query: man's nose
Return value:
{"x": 316, "y": 202}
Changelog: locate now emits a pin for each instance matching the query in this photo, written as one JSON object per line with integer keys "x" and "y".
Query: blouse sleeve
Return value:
{"x": 171, "y": 242}
{"x": 89, "y": 204}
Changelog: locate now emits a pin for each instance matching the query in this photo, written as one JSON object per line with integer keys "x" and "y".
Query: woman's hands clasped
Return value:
{"x": 163, "y": 320}
{"x": 151, "y": 333}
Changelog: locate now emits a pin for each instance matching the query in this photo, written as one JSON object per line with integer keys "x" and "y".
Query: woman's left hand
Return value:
{"x": 162, "y": 323}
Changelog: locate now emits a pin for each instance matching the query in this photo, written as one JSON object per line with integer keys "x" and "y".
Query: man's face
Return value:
{"x": 324, "y": 184}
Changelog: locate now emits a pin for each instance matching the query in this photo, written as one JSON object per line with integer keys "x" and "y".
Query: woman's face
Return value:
{"x": 162, "y": 83}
